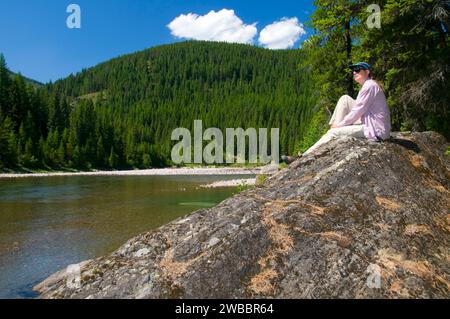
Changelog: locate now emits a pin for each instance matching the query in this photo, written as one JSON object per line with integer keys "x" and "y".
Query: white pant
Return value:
{"x": 343, "y": 107}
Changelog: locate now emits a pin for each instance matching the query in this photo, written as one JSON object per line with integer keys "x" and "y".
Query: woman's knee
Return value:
{"x": 343, "y": 103}
{"x": 345, "y": 98}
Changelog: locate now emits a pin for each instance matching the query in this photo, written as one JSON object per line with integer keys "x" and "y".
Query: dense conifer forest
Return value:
{"x": 120, "y": 114}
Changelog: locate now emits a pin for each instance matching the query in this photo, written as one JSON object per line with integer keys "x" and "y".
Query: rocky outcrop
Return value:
{"x": 352, "y": 220}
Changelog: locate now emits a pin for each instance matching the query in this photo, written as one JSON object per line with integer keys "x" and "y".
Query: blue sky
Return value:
{"x": 36, "y": 41}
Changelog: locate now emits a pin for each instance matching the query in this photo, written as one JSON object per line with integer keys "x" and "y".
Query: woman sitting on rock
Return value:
{"x": 367, "y": 117}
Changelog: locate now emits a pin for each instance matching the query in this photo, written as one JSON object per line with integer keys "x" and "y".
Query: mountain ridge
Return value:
{"x": 30, "y": 81}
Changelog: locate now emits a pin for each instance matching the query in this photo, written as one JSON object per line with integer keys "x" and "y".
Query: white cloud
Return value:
{"x": 223, "y": 25}
{"x": 281, "y": 34}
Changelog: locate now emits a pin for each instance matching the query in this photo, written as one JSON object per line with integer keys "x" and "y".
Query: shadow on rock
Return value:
{"x": 409, "y": 145}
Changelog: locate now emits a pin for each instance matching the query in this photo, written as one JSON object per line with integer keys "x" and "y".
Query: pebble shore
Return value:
{"x": 145, "y": 172}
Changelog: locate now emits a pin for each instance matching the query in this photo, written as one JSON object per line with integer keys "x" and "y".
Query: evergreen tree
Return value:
{"x": 8, "y": 147}
{"x": 5, "y": 87}
{"x": 113, "y": 159}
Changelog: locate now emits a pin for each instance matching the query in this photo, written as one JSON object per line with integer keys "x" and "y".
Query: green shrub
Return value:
{"x": 260, "y": 179}
{"x": 316, "y": 128}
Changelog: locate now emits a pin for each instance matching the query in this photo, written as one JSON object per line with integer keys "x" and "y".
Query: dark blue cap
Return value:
{"x": 362, "y": 65}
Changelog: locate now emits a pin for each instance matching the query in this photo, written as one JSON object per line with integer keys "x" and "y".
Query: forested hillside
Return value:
{"x": 121, "y": 113}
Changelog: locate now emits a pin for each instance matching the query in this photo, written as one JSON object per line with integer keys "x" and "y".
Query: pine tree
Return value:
{"x": 100, "y": 156}
{"x": 19, "y": 101}
{"x": 27, "y": 158}
{"x": 5, "y": 86}
{"x": 61, "y": 154}
{"x": 8, "y": 143}
{"x": 113, "y": 160}
{"x": 55, "y": 114}
{"x": 77, "y": 158}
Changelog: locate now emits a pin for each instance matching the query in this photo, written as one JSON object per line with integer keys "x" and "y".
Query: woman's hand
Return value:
{"x": 334, "y": 126}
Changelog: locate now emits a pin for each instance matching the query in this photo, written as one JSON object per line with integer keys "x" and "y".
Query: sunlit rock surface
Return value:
{"x": 353, "y": 220}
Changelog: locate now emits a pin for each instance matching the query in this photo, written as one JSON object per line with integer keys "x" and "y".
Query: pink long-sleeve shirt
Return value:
{"x": 371, "y": 107}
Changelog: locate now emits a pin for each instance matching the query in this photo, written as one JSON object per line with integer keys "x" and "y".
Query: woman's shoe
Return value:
{"x": 288, "y": 159}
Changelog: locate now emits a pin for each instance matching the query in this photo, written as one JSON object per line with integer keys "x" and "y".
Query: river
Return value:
{"x": 48, "y": 223}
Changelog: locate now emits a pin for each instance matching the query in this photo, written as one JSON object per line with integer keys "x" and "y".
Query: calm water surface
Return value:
{"x": 49, "y": 223}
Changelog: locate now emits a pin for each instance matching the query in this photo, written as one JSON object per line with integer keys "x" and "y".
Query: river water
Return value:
{"x": 51, "y": 222}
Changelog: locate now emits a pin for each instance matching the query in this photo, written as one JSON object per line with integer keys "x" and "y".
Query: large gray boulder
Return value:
{"x": 353, "y": 220}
